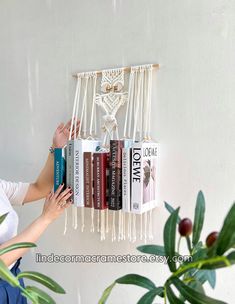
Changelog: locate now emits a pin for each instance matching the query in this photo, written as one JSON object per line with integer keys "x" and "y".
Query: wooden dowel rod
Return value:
{"x": 126, "y": 69}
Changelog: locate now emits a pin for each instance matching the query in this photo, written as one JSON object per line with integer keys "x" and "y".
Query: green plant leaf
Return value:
{"x": 2, "y": 217}
{"x": 231, "y": 257}
{"x": 227, "y": 234}
{"x": 206, "y": 275}
{"x": 106, "y": 294}
{"x": 30, "y": 295}
{"x": 171, "y": 296}
{"x": 192, "y": 295}
{"x": 169, "y": 239}
{"x": 17, "y": 246}
{"x": 171, "y": 210}
{"x": 196, "y": 285}
{"x": 6, "y": 275}
{"x": 42, "y": 279}
{"x": 149, "y": 297}
{"x": 198, "y": 217}
{"x": 42, "y": 296}
{"x": 136, "y": 279}
{"x": 152, "y": 249}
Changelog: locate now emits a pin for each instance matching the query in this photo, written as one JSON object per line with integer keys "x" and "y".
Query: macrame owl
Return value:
{"x": 111, "y": 98}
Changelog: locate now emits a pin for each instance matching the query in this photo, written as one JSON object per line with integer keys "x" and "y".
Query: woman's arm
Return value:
{"x": 44, "y": 182}
{"x": 54, "y": 206}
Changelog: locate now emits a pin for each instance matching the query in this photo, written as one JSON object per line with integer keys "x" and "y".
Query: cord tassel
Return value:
{"x": 145, "y": 227}
{"x": 134, "y": 228}
{"x": 102, "y": 226}
{"x": 65, "y": 222}
{"x": 129, "y": 227}
{"x": 141, "y": 226}
{"x": 107, "y": 220}
{"x": 113, "y": 228}
{"x": 92, "y": 220}
{"x": 98, "y": 220}
{"x": 123, "y": 226}
{"x": 82, "y": 219}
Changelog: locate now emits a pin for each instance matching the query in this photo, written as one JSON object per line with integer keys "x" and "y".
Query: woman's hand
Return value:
{"x": 56, "y": 203}
{"x": 61, "y": 134}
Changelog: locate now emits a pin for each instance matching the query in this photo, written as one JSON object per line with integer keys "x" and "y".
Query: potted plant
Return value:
{"x": 33, "y": 293}
{"x": 185, "y": 283}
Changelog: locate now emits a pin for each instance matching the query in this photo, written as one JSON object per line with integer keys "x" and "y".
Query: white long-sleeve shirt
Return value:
{"x": 11, "y": 193}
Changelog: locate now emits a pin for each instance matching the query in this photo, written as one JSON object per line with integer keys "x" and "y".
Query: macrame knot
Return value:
{"x": 110, "y": 122}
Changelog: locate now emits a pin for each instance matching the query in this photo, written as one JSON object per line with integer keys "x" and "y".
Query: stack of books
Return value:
{"x": 123, "y": 178}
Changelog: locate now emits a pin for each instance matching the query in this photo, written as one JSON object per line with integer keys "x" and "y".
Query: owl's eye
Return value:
{"x": 108, "y": 88}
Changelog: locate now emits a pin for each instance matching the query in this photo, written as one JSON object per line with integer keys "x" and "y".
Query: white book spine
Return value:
{"x": 126, "y": 194}
{"x": 136, "y": 179}
{"x": 77, "y": 172}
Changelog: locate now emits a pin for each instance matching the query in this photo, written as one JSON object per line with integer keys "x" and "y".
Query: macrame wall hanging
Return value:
{"x": 111, "y": 167}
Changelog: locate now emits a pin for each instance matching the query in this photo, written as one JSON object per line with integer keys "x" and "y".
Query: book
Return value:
{"x": 115, "y": 175}
{"x": 59, "y": 167}
{"x": 126, "y": 175}
{"x": 144, "y": 176}
{"x": 76, "y": 166}
{"x": 126, "y": 179}
{"x": 70, "y": 165}
{"x": 88, "y": 180}
{"x": 101, "y": 179}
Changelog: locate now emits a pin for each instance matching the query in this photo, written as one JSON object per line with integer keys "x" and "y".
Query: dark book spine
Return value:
{"x": 88, "y": 179}
{"x": 59, "y": 168}
{"x": 100, "y": 168}
{"x": 115, "y": 175}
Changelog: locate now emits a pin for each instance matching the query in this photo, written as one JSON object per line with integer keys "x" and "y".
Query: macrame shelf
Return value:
{"x": 111, "y": 165}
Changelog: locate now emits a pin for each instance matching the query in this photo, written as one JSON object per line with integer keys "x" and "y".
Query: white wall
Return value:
{"x": 43, "y": 42}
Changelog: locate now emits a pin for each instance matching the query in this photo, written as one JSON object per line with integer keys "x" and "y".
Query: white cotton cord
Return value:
{"x": 117, "y": 133}
{"x": 85, "y": 121}
{"x": 77, "y": 93}
{"x": 82, "y": 126}
{"x": 145, "y": 227}
{"x": 95, "y": 120}
{"x": 129, "y": 102}
{"x": 134, "y": 229}
{"x": 150, "y": 99}
{"x": 113, "y": 227}
{"x": 92, "y": 220}
{"x": 107, "y": 220}
{"x": 102, "y": 226}
{"x": 75, "y": 218}
{"x": 73, "y": 124}
{"x": 141, "y": 106}
{"x": 151, "y": 224}
{"x": 141, "y": 226}
{"x": 146, "y": 104}
{"x": 123, "y": 226}
{"x": 82, "y": 218}
{"x": 93, "y": 105}
{"x": 72, "y": 216}
{"x": 132, "y": 100}
{"x": 98, "y": 220}
{"x": 129, "y": 225}
{"x": 107, "y": 137}
{"x": 77, "y": 106}
{"x": 65, "y": 221}
{"x": 120, "y": 224}
{"x": 139, "y": 76}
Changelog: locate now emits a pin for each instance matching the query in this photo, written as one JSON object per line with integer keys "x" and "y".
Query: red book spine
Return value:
{"x": 100, "y": 169}
{"x": 88, "y": 180}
